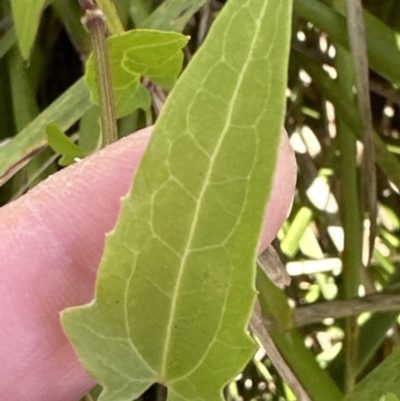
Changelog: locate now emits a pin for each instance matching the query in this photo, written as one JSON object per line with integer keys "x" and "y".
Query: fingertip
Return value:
{"x": 53, "y": 238}
{"x": 282, "y": 192}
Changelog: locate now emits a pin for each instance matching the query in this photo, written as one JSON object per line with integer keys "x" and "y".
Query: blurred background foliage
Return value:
{"x": 344, "y": 303}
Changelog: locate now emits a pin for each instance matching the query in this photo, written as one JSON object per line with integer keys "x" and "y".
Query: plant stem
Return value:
{"x": 356, "y": 31}
{"x": 114, "y": 23}
{"x": 350, "y": 211}
{"x": 258, "y": 327}
{"x": 372, "y": 303}
{"x": 94, "y": 21}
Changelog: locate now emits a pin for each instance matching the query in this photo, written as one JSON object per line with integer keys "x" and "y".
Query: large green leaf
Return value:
{"x": 26, "y": 16}
{"x": 137, "y": 53}
{"x": 72, "y": 104}
{"x": 176, "y": 284}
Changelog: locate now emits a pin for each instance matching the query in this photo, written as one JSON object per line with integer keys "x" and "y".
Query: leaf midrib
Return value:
{"x": 201, "y": 196}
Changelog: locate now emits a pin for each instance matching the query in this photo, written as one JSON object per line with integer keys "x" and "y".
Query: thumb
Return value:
{"x": 51, "y": 242}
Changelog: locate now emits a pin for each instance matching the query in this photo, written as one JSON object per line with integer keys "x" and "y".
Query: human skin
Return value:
{"x": 51, "y": 242}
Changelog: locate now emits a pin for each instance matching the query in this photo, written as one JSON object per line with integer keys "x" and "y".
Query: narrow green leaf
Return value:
{"x": 26, "y": 16}
{"x": 274, "y": 303}
{"x": 386, "y": 160}
{"x": 6, "y": 118}
{"x": 63, "y": 145}
{"x": 383, "y": 379}
{"x": 316, "y": 382}
{"x": 374, "y": 331}
{"x": 173, "y": 15}
{"x": 69, "y": 13}
{"x": 372, "y": 335}
{"x": 176, "y": 284}
{"x": 138, "y": 53}
{"x": 24, "y": 103}
{"x": 382, "y": 42}
{"x": 90, "y": 139}
{"x": 139, "y": 11}
{"x": 7, "y": 41}
{"x": 358, "y": 47}
{"x": 64, "y": 111}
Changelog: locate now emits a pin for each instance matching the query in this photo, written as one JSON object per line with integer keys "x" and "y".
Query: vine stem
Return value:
{"x": 259, "y": 328}
{"x": 94, "y": 21}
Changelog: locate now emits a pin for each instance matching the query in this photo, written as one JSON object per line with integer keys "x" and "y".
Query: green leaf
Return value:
{"x": 64, "y": 111}
{"x": 274, "y": 302}
{"x": 113, "y": 21}
{"x": 384, "y": 378}
{"x": 63, "y": 145}
{"x": 301, "y": 361}
{"x": 7, "y": 41}
{"x": 176, "y": 284}
{"x": 26, "y": 16}
{"x": 173, "y": 15}
{"x": 382, "y": 42}
{"x": 386, "y": 160}
{"x": 389, "y": 397}
{"x": 137, "y": 53}
{"x": 90, "y": 139}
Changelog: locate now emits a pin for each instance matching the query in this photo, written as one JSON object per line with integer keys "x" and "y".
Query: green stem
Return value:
{"x": 24, "y": 103}
{"x": 94, "y": 21}
{"x": 356, "y": 29}
{"x": 386, "y": 160}
{"x": 25, "y": 109}
{"x": 351, "y": 217}
{"x": 113, "y": 21}
{"x": 383, "y": 54}
{"x": 350, "y": 213}
{"x": 290, "y": 343}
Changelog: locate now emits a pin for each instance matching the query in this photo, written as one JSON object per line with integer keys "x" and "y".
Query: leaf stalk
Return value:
{"x": 94, "y": 21}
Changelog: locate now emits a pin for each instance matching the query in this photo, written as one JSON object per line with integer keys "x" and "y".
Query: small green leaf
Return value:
{"x": 154, "y": 54}
{"x": 26, "y": 16}
{"x": 64, "y": 111}
{"x": 175, "y": 288}
{"x": 63, "y": 145}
